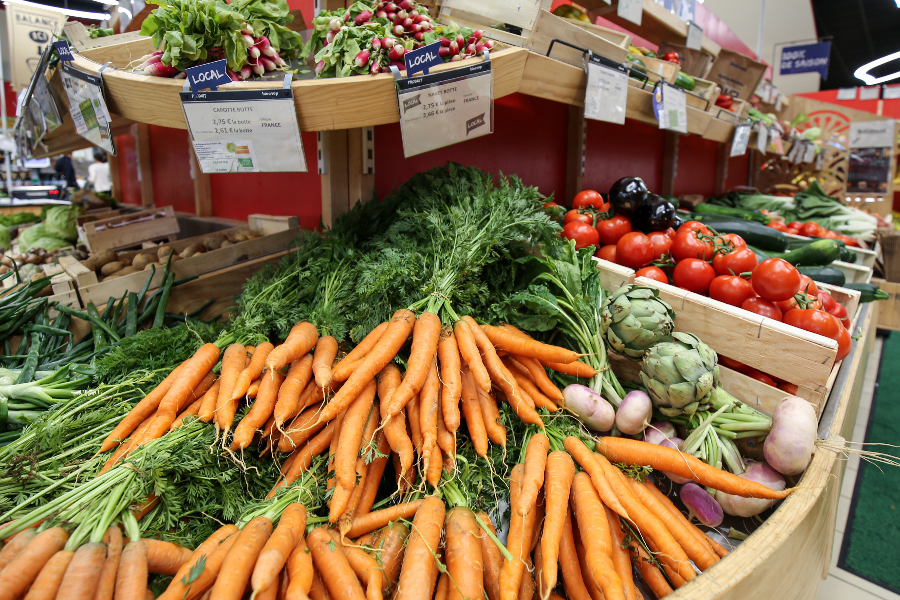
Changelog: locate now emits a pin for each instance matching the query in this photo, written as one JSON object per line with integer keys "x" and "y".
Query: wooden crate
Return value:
{"x": 613, "y": 276}
{"x": 855, "y": 273}
{"x": 484, "y": 15}
{"x": 277, "y": 234}
{"x": 548, "y": 27}
{"x": 889, "y": 310}
{"x": 658, "y": 69}
{"x": 125, "y": 231}
{"x": 864, "y": 257}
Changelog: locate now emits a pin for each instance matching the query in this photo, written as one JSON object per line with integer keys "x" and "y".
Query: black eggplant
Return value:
{"x": 677, "y": 222}
{"x": 654, "y": 214}
{"x": 627, "y": 194}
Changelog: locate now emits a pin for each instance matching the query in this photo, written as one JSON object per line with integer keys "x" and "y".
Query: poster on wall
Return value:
{"x": 871, "y": 145}
{"x": 29, "y": 31}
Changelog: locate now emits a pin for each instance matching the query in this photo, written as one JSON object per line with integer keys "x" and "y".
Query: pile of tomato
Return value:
{"x": 811, "y": 229}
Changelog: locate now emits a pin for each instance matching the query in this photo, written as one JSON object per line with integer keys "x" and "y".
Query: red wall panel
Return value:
{"x": 696, "y": 166}
{"x": 615, "y": 151}
{"x": 172, "y": 183}
{"x": 128, "y": 171}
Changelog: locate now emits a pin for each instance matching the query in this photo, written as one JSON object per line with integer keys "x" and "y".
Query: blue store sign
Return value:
{"x": 808, "y": 58}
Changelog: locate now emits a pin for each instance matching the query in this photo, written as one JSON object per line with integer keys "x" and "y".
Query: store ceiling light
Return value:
{"x": 94, "y": 16}
{"x": 122, "y": 9}
{"x": 863, "y": 72}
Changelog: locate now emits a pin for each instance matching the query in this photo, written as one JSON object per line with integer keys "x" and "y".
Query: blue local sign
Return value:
{"x": 63, "y": 50}
{"x": 423, "y": 59}
{"x": 210, "y": 75}
{"x": 808, "y": 58}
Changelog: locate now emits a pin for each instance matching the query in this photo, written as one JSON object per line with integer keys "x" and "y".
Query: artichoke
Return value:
{"x": 680, "y": 374}
{"x": 634, "y": 319}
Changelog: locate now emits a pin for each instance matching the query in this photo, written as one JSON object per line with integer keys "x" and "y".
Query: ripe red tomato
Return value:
{"x": 763, "y": 307}
{"x": 812, "y": 229}
{"x": 775, "y": 279}
{"x": 735, "y": 240}
{"x": 607, "y": 253}
{"x": 740, "y": 260}
{"x": 733, "y": 364}
{"x": 583, "y": 234}
{"x": 849, "y": 241}
{"x": 828, "y": 301}
{"x": 694, "y": 275}
{"x": 661, "y": 243}
{"x": 844, "y": 342}
{"x": 670, "y": 232}
{"x": 761, "y": 377}
{"x": 816, "y": 321}
{"x": 694, "y": 226}
{"x": 573, "y": 216}
{"x": 787, "y": 305}
{"x": 586, "y": 198}
{"x": 808, "y": 285}
{"x": 612, "y": 229}
{"x": 687, "y": 244}
{"x": 731, "y": 289}
{"x": 790, "y": 388}
{"x": 634, "y": 250}
{"x": 653, "y": 273}
{"x": 840, "y": 311}
{"x": 795, "y": 225}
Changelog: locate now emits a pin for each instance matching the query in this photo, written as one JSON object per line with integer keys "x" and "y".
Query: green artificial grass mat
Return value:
{"x": 871, "y": 537}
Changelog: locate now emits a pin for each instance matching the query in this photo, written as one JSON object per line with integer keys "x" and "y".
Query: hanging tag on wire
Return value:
{"x": 740, "y": 140}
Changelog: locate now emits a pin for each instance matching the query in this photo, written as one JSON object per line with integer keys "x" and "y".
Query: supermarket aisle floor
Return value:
{"x": 842, "y": 585}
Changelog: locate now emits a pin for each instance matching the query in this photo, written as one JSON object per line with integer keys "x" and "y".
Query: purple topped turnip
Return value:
{"x": 590, "y": 407}
{"x": 634, "y": 413}
{"x": 703, "y": 507}
{"x": 759, "y": 472}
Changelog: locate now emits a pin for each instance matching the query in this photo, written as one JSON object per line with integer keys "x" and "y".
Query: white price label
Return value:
{"x": 891, "y": 92}
{"x": 446, "y": 108}
{"x": 670, "y": 107}
{"x": 247, "y": 131}
{"x": 694, "y": 36}
{"x": 606, "y": 95}
{"x": 777, "y": 142}
{"x": 631, "y": 10}
{"x": 778, "y": 101}
{"x": 796, "y": 153}
{"x": 740, "y": 140}
{"x": 809, "y": 152}
{"x": 88, "y": 107}
{"x": 846, "y": 94}
{"x": 762, "y": 138}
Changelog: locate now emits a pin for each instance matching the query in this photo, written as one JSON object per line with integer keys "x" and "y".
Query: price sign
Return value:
{"x": 741, "y": 139}
{"x": 246, "y": 131}
{"x": 631, "y": 10}
{"x": 670, "y": 108}
{"x": 778, "y": 101}
{"x": 87, "y": 106}
{"x": 809, "y": 152}
{"x": 445, "y": 108}
{"x": 777, "y": 142}
{"x": 795, "y": 155}
{"x": 694, "y": 36}
{"x": 63, "y": 50}
{"x": 606, "y": 94}
{"x": 762, "y": 138}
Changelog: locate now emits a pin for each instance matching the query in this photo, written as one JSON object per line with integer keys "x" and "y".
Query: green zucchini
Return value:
{"x": 755, "y": 234}
{"x": 727, "y": 211}
{"x": 685, "y": 81}
{"x": 869, "y": 292}
{"x": 818, "y": 254}
{"x": 847, "y": 255}
{"x": 829, "y": 275}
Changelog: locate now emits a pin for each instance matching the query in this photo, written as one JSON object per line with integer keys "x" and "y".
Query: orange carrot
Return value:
{"x": 697, "y": 551}
{"x": 302, "y": 428}
{"x": 238, "y": 564}
{"x": 165, "y": 558}
{"x": 540, "y": 400}
{"x": 651, "y": 575}
{"x": 301, "y": 339}
{"x": 695, "y": 531}
{"x": 260, "y": 411}
{"x": 595, "y": 536}
{"x": 278, "y": 548}
{"x": 514, "y": 344}
{"x": 575, "y": 369}
{"x": 331, "y": 483}
{"x": 190, "y": 411}
{"x": 573, "y": 580}
{"x": 125, "y": 448}
{"x": 463, "y": 555}
{"x": 468, "y": 349}
{"x": 316, "y": 446}
{"x": 518, "y": 542}
{"x": 82, "y": 576}
{"x": 392, "y": 540}
{"x": 443, "y": 587}
{"x": 380, "y": 518}
{"x": 560, "y": 471}
{"x": 46, "y": 586}
{"x": 373, "y": 477}
{"x": 15, "y": 545}
{"x": 326, "y": 350}
{"x": 490, "y": 413}
{"x": 429, "y": 406}
{"x": 446, "y": 440}
{"x": 593, "y": 587}
{"x": 435, "y": 465}
{"x": 451, "y": 386}
{"x": 587, "y": 461}
{"x": 420, "y": 568}
{"x": 358, "y": 414}
{"x": 394, "y": 429}
{"x": 620, "y": 556}
{"x": 472, "y": 412}
{"x": 131, "y": 577}
{"x": 533, "y": 477}
{"x": 332, "y": 565}
{"x": 204, "y": 552}
{"x": 254, "y": 388}
{"x": 317, "y": 590}
{"x": 493, "y": 559}
{"x": 385, "y": 350}
{"x": 526, "y": 588}
{"x": 251, "y": 370}
{"x": 27, "y": 564}
{"x": 366, "y": 568}
{"x": 426, "y": 334}
{"x": 676, "y": 579}
{"x": 634, "y": 452}
{"x": 142, "y": 410}
{"x": 361, "y": 470}
{"x": 366, "y": 344}
{"x": 539, "y": 375}
{"x": 233, "y": 362}
{"x": 292, "y": 389}
{"x": 344, "y": 369}
{"x": 107, "y": 585}
{"x": 300, "y": 570}
{"x": 415, "y": 424}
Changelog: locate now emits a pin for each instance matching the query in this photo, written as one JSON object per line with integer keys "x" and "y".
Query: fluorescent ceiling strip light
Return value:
{"x": 863, "y": 72}
{"x": 68, "y": 12}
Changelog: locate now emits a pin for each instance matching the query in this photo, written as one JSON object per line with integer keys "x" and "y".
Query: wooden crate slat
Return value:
{"x": 613, "y": 276}
{"x": 123, "y": 231}
{"x": 521, "y": 13}
{"x": 549, "y": 27}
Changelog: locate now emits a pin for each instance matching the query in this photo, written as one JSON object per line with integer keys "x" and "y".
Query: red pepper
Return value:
{"x": 672, "y": 57}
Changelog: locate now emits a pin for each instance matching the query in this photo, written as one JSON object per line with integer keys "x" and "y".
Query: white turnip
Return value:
{"x": 759, "y": 472}
{"x": 703, "y": 507}
{"x": 658, "y": 430}
{"x": 586, "y": 404}
{"x": 789, "y": 446}
{"x": 634, "y": 413}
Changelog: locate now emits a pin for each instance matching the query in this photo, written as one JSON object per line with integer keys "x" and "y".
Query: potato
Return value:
{"x": 149, "y": 266}
{"x": 7, "y": 261}
{"x": 142, "y": 260}
{"x": 110, "y": 268}
{"x": 164, "y": 251}
{"x": 126, "y": 271}
{"x": 226, "y": 243}
{"x": 214, "y": 241}
{"x": 192, "y": 250}
{"x": 125, "y": 261}
{"x": 241, "y": 237}
{"x": 103, "y": 258}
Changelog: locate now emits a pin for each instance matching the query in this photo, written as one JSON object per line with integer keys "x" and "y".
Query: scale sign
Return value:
{"x": 446, "y": 108}
{"x": 606, "y": 94}
{"x": 246, "y": 131}
{"x": 88, "y": 107}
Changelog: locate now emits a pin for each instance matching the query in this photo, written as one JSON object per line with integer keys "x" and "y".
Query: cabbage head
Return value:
{"x": 37, "y": 236}
{"x": 60, "y": 221}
